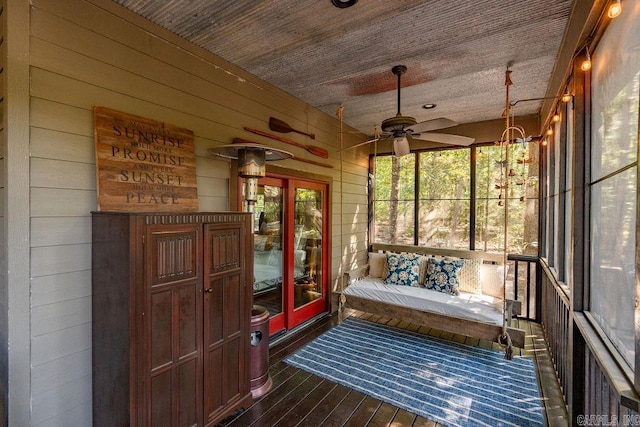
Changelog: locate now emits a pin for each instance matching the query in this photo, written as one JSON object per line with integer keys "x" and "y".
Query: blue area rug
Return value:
{"x": 453, "y": 384}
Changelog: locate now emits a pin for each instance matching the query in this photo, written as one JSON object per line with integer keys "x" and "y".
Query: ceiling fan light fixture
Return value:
{"x": 401, "y": 146}
{"x": 343, "y": 4}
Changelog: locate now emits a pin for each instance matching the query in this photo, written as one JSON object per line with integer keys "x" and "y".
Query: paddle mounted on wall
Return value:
{"x": 282, "y": 127}
{"x": 316, "y": 151}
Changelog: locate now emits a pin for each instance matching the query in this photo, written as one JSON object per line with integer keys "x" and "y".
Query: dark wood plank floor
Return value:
{"x": 298, "y": 398}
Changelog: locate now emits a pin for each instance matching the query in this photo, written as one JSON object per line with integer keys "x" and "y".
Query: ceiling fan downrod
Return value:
{"x": 399, "y": 70}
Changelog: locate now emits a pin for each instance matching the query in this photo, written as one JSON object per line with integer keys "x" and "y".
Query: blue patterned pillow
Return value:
{"x": 442, "y": 275}
{"x": 403, "y": 269}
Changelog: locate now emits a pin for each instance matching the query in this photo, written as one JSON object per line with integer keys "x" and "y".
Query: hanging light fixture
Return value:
{"x": 401, "y": 146}
{"x": 615, "y": 9}
{"x": 586, "y": 63}
{"x": 566, "y": 97}
{"x": 251, "y": 164}
{"x": 556, "y": 118}
{"x": 550, "y": 131}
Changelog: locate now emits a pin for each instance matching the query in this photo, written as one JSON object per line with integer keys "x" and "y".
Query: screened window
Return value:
{"x": 615, "y": 89}
{"x": 519, "y": 180}
{"x": 444, "y": 198}
{"x": 394, "y": 201}
{"x": 431, "y": 192}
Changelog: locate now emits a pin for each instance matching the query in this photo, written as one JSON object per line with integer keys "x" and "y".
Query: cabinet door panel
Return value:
{"x": 231, "y": 376}
{"x": 187, "y": 299}
{"x": 161, "y": 399}
{"x": 213, "y": 383}
{"x": 188, "y": 406}
{"x": 233, "y": 294}
{"x": 161, "y": 336}
{"x": 227, "y": 314}
{"x": 174, "y": 292}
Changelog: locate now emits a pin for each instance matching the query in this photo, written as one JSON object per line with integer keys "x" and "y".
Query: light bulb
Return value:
{"x": 615, "y": 8}
{"x": 566, "y": 97}
{"x": 556, "y": 118}
{"x": 549, "y": 131}
{"x": 586, "y": 64}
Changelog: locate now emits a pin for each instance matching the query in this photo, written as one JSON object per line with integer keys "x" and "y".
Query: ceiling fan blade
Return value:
{"x": 445, "y": 138}
{"x": 429, "y": 125}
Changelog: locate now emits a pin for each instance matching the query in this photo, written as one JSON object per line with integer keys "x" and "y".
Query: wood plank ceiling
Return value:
{"x": 456, "y": 51}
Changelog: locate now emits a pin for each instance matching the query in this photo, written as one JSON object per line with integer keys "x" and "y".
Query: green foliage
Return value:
{"x": 444, "y": 198}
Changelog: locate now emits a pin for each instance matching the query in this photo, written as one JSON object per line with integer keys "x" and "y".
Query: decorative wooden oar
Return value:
{"x": 282, "y": 127}
{"x": 316, "y": 151}
{"x": 311, "y": 162}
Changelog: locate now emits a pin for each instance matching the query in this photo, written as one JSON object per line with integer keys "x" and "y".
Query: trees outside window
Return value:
{"x": 432, "y": 193}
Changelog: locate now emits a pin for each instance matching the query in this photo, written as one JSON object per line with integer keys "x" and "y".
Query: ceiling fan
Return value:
{"x": 402, "y": 130}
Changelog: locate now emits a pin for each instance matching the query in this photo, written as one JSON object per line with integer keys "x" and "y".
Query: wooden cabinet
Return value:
{"x": 172, "y": 297}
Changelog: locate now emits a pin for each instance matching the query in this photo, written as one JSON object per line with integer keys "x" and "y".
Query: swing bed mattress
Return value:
{"x": 474, "y": 307}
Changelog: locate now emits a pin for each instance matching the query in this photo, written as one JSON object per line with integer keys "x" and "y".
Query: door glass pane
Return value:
{"x": 307, "y": 240}
{"x": 268, "y": 259}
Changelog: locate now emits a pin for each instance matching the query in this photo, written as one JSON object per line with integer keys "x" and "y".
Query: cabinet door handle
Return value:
{"x": 209, "y": 290}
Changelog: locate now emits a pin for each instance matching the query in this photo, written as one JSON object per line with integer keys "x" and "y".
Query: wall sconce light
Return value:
{"x": 615, "y": 9}
{"x": 251, "y": 164}
{"x": 586, "y": 63}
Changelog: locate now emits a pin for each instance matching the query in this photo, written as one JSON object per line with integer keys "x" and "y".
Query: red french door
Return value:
{"x": 291, "y": 250}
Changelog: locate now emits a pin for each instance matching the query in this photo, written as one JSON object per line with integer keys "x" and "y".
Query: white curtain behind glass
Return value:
{"x": 615, "y": 78}
{"x": 556, "y": 198}
{"x": 568, "y": 207}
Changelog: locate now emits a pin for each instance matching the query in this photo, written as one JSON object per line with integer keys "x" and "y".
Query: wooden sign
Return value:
{"x": 143, "y": 165}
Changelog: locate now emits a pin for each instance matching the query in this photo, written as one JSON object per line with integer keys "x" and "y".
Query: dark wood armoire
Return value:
{"x": 172, "y": 297}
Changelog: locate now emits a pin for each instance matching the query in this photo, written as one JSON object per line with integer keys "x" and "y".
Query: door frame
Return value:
{"x": 291, "y": 317}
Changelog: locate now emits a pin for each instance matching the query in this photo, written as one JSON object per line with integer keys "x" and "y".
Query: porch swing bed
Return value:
{"x": 479, "y": 310}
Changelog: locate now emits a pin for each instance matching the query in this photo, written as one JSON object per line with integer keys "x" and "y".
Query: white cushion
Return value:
{"x": 492, "y": 278}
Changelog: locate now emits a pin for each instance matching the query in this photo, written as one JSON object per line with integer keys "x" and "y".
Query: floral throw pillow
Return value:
{"x": 403, "y": 269}
{"x": 442, "y": 275}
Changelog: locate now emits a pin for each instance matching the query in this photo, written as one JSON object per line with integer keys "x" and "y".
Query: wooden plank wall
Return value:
{"x": 92, "y": 52}
{"x": 4, "y": 291}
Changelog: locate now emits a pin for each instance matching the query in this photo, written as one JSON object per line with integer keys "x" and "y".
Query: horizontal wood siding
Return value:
{"x": 4, "y": 291}
{"x": 92, "y": 52}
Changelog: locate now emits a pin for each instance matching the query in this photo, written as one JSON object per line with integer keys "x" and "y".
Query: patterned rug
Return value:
{"x": 453, "y": 384}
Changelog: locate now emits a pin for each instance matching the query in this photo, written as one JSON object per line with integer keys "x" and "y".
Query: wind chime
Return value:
{"x": 507, "y": 176}
{"x": 511, "y": 177}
